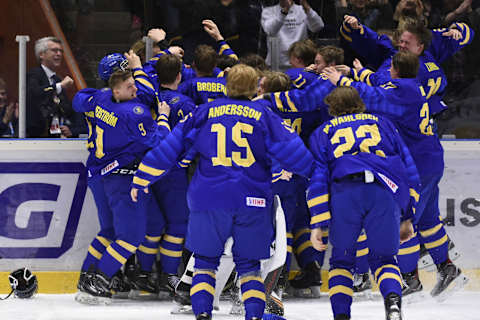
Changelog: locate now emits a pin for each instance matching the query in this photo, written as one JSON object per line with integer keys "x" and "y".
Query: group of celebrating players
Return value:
{"x": 351, "y": 153}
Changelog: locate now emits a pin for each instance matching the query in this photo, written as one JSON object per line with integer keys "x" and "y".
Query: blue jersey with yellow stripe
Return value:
{"x": 236, "y": 140}
{"x": 300, "y": 77}
{"x": 203, "y": 89}
{"x": 353, "y": 143}
{"x": 303, "y": 100}
{"x": 403, "y": 101}
{"x": 81, "y": 103}
{"x": 124, "y": 131}
{"x": 379, "y": 51}
{"x": 180, "y": 105}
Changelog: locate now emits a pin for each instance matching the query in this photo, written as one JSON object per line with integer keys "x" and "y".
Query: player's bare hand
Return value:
{"x": 285, "y": 5}
{"x": 311, "y": 68}
{"x": 305, "y": 5}
{"x": 211, "y": 28}
{"x": 316, "y": 239}
{"x": 134, "y": 193}
{"x": 67, "y": 82}
{"x": 286, "y": 175}
{"x": 133, "y": 60}
{"x": 156, "y": 34}
{"x": 164, "y": 108}
{"x": 352, "y": 21}
{"x": 406, "y": 231}
{"x": 453, "y": 33}
{"x": 343, "y": 69}
{"x": 176, "y": 50}
{"x": 332, "y": 74}
{"x": 66, "y": 131}
{"x": 357, "y": 64}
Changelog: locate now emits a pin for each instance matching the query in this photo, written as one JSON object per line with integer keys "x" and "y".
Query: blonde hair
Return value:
{"x": 242, "y": 81}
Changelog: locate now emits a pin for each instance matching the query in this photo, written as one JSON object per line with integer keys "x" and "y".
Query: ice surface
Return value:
{"x": 463, "y": 305}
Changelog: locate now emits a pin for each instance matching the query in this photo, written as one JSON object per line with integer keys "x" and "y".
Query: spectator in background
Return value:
{"x": 409, "y": 9}
{"x": 288, "y": 22}
{"x": 375, "y": 14}
{"x": 8, "y": 113}
{"x": 49, "y": 111}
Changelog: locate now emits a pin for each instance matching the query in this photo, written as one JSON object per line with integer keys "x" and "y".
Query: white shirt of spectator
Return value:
{"x": 288, "y": 28}
{"x": 49, "y": 74}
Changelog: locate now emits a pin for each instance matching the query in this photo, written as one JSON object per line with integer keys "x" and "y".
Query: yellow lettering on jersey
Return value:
{"x": 233, "y": 109}
{"x": 431, "y": 66}
{"x": 105, "y": 116}
{"x": 349, "y": 118}
{"x": 211, "y": 87}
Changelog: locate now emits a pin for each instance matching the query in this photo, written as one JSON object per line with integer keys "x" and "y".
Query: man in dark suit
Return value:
{"x": 49, "y": 111}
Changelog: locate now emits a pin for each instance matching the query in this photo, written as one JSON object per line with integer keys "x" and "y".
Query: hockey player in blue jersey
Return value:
{"x": 171, "y": 191}
{"x": 301, "y": 54}
{"x": 230, "y": 194}
{"x": 124, "y": 131}
{"x": 108, "y": 64}
{"x": 205, "y": 87}
{"x": 363, "y": 174}
{"x": 432, "y": 48}
{"x": 403, "y": 100}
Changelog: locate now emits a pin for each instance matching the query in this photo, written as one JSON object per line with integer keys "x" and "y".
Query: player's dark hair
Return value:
{"x": 118, "y": 77}
{"x": 168, "y": 67}
{"x": 344, "y": 100}
{"x": 406, "y": 64}
{"x": 224, "y": 62}
{"x": 331, "y": 54}
{"x": 305, "y": 50}
{"x": 205, "y": 59}
{"x": 255, "y": 61}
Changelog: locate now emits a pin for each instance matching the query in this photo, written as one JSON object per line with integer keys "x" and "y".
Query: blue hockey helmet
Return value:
{"x": 111, "y": 63}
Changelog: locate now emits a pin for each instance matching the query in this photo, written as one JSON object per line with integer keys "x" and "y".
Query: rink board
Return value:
{"x": 48, "y": 216}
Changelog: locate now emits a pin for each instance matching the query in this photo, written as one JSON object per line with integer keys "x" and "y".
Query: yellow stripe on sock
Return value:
{"x": 253, "y": 294}
{"x": 438, "y": 243}
{"x": 170, "y": 253}
{"x": 94, "y": 252}
{"x": 340, "y": 289}
{"x": 202, "y": 286}
{"x": 173, "y": 239}
{"x": 340, "y": 272}
{"x": 116, "y": 255}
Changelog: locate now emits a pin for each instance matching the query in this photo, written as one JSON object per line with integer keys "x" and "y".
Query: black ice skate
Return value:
{"x": 120, "y": 286}
{"x": 412, "y": 287}
{"x": 362, "y": 287}
{"x": 166, "y": 285}
{"x": 144, "y": 285}
{"x": 393, "y": 307}
{"x": 449, "y": 279}
{"x": 204, "y": 316}
{"x": 426, "y": 262}
{"x": 342, "y": 317}
{"x": 94, "y": 288}
{"x": 183, "y": 304}
{"x": 307, "y": 284}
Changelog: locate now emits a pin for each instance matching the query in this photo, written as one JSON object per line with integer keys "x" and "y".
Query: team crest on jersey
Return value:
{"x": 138, "y": 110}
{"x": 174, "y": 100}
